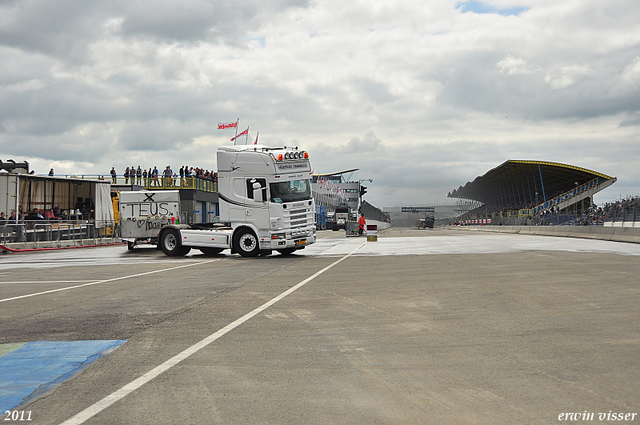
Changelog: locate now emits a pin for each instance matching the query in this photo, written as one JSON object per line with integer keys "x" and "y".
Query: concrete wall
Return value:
{"x": 381, "y": 225}
{"x": 617, "y": 234}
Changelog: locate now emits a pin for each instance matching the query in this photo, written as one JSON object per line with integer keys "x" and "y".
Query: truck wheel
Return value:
{"x": 246, "y": 243}
{"x": 171, "y": 244}
{"x": 211, "y": 251}
{"x": 130, "y": 245}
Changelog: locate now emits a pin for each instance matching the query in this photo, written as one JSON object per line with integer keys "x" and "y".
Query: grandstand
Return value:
{"x": 519, "y": 192}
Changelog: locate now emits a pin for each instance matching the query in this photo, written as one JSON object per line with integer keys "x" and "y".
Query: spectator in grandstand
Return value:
{"x": 34, "y": 215}
{"x": 51, "y": 172}
{"x": 167, "y": 173}
{"x": 2, "y": 217}
{"x": 113, "y": 175}
{"x": 126, "y": 176}
{"x": 154, "y": 174}
{"x": 139, "y": 175}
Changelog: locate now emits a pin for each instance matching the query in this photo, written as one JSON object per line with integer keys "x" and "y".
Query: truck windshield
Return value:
{"x": 291, "y": 191}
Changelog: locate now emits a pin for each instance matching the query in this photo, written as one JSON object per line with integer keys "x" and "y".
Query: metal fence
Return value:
{"x": 623, "y": 214}
{"x": 56, "y": 233}
{"x": 159, "y": 183}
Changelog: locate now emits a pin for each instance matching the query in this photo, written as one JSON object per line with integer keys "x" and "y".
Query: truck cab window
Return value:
{"x": 290, "y": 191}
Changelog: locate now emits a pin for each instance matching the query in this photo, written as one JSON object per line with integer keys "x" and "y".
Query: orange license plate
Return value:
{"x": 301, "y": 242}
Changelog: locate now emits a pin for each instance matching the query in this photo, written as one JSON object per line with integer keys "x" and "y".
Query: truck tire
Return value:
{"x": 246, "y": 243}
{"x": 171, "y": 244}
{"x": 209, "y": 252}
{"x": 130, "y": 245}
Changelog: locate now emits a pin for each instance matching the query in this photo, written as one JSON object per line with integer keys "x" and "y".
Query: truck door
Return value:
{"x": 237, "y": 201}
{"x": 257, "y": 212}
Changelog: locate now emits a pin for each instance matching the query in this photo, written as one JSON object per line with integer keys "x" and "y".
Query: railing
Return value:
{"x": 568, "y": 195}
{"x": 173, "y": 183}
{"x": 37, "y": 234}
{"x": 150, "y": 183}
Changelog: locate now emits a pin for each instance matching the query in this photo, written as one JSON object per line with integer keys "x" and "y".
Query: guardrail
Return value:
{"x": 58, "y": 233}
{"x": 150, "y": 183}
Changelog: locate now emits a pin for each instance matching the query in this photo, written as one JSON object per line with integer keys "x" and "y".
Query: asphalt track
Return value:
{"x": 426, "y": 327}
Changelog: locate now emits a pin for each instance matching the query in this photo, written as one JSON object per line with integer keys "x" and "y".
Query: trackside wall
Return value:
{"x": 616, "y": 234}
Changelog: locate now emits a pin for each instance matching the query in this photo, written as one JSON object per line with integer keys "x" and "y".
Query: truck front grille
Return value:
{"x": 298, "y": 218}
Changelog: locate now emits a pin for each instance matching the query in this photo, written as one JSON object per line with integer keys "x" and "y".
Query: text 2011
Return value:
{"x": 17, "y": 415}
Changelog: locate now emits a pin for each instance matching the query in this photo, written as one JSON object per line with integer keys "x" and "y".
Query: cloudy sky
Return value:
{"x": 421, "y": 96}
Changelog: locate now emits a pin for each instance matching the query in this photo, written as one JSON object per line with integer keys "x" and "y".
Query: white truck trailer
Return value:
{"x": 265, "y": 204}
{"x": 143, "y": 214}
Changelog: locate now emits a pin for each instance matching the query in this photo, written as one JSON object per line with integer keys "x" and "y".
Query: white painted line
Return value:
{"x": 105, "y": 281}
{"x": 42, "y": 282}
{"x": 98, "y": 407}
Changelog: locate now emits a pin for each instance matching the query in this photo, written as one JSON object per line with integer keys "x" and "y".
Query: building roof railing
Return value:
{"x": 160, "y": 183}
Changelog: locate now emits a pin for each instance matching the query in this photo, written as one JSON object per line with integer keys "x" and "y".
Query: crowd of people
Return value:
{"x": 625, "y": 206}
{"x": 153, "y": 177}
{"x": 625, "y": 209}
{"x": 36, "y": 214}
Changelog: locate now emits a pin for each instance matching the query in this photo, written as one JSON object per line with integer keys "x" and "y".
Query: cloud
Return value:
{"x": 513, "y": 66}
{"x": 421, "y": 97}
{"x": 368, "y": 145}
{"x": 566, "y": 76}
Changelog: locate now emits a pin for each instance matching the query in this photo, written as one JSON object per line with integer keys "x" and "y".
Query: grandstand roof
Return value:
{"x": 515, "y": 183}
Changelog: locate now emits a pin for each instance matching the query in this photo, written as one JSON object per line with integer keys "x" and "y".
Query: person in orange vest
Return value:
{"x": 361, "y": 223}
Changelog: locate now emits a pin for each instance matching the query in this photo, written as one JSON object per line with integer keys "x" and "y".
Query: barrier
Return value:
{"x": 30, "y": 236}
{"x": 372, "y": 233}
{"x": 615, "y": 234}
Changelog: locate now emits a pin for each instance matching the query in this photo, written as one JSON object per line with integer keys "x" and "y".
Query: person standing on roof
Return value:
{"x": 362, "y": 222}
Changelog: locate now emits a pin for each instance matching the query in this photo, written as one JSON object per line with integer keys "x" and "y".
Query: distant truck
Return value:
{"x": 265, "y": 205}
{"x": 426, "y": 223}
{"x": 144, "y": 214}
{"x": 341, "y": 217}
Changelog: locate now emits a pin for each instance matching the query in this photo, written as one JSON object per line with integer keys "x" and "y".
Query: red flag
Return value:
{"x": 256, "y": 142}
{"x": 223, "y": 126}
{"x": 241, "y": 134}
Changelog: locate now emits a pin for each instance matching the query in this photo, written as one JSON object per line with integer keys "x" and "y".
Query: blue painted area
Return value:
{"x": 37, "y": 367}
{"x": 479, "y": 7}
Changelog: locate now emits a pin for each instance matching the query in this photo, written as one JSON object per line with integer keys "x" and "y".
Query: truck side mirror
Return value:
{"x": 257, "y": 192}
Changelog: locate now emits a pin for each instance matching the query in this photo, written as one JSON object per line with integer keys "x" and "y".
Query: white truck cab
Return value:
{"x": 265, "y": 200}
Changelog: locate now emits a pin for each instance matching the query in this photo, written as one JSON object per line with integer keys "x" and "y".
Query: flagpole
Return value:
{"x": 234, "y": 139}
